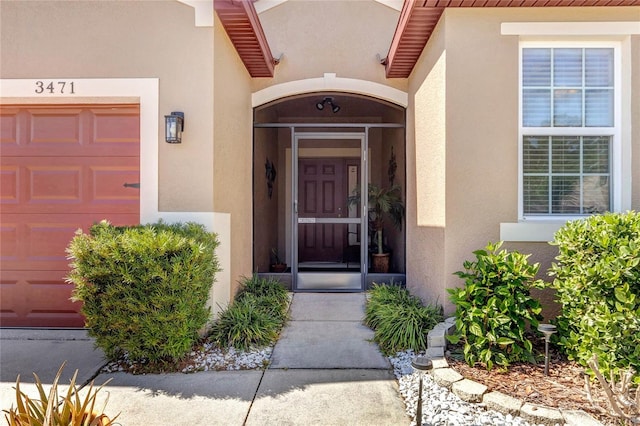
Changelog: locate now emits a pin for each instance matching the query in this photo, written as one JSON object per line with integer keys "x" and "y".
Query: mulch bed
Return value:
{"x": 564, "y": 387}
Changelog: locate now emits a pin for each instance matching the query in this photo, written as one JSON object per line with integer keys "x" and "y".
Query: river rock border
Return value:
{"x": 471, "y": 391}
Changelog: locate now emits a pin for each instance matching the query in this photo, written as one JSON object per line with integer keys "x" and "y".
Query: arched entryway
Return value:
{"x": 313, "y": 154}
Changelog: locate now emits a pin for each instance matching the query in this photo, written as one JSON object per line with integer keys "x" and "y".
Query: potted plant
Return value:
{"x": 278, "y": 265}
{"x": 383, "y": 203}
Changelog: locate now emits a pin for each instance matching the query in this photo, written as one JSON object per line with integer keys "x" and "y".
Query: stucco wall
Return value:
{"x": 317, "y": 37}
{"x": 63, "y": 40}
{"x": 233, "y": 150}
{"x": 479, "y": 152}
{"x": 426, "y": 171}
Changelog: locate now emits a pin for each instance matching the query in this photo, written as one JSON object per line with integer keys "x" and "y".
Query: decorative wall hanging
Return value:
{"x": 392, "y": 168}
{"x": 270, "y": 174}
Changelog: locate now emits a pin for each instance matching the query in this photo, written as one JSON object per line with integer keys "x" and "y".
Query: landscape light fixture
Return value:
{"x": 547, "y": 330}
{"x": 422, "y": 364}
{"x": 334, "y": 107}
{"x": 173, "y": 127}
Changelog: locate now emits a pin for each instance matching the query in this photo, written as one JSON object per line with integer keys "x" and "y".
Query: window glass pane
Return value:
{"x": 536, "y": 108}
{"x": 599, "y": 67}
{"x": 567, "y": 108}
{"x": 599, "y": 108}
{"x": 535, "y": 152}
{"x": 596, "y": 194}
{"x": 567, "y": 67}
{"x": 595, "y": 154}
{"x": 536, "y": 195}
{"x": 536, "y": 67}
{"x": 565, "y": 155}
{"x": 565, "y": 194}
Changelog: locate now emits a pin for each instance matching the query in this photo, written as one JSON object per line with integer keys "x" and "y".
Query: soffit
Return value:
{"x": 240, "y": 20}
{"x": 418, "y": 18}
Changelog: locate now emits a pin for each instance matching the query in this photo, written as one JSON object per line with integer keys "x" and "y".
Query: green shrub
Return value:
{"x": 494, "y": 307}
{"x": 398, "y": 319}
{"x": 144, "y": 288}
{"x": 256, "y": 316}
{"x": 597, "y": 279}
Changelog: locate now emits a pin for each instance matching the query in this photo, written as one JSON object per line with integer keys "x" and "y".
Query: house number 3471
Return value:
{"x": 61, "y": 87}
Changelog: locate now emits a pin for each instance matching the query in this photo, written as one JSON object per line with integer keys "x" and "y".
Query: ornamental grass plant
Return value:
{"x": 399, "y": 320}
{"x": 256, "y": 316}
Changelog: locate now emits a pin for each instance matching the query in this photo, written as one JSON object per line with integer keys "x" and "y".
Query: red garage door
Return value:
{"x": 63, "y": 168}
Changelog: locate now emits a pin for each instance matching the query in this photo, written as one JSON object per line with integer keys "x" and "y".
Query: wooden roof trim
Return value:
{"x": 418, "y": 18}
{"x": 240, "y": 20}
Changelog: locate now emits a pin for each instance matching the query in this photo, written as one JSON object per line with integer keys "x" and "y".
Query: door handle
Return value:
{"x": 132, "y": 185}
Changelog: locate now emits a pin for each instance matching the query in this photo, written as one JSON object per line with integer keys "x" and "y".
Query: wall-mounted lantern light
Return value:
{"x": 173, "y": 127}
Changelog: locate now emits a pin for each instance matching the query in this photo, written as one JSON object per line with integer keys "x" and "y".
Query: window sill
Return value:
{"x": 530, "y": 231}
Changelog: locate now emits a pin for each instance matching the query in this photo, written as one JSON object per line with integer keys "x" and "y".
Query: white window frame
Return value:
{"x": 614, "y": 132}
{"x": 537, "y": 229}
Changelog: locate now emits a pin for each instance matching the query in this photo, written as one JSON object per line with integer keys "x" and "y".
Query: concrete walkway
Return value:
{"x": 324, "y": 370}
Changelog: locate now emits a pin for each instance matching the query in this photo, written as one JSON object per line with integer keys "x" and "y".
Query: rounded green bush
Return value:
{"x": 597, "y": 279}
{"x": 144, "y": 288}
{"x": 495, "y": 306}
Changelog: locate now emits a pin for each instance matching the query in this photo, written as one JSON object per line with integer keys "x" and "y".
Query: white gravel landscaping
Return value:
{"x": 440, "y": 406}
{"x": 210, "y": 358}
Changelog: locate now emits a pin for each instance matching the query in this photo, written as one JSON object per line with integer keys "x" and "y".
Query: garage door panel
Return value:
{"x": 8, "y": 128}
{"x": 43, "y": 300}
{"x": 119, "y": 130}
{"x": 9, "y": 184}
{"x": 86, "y": 185}
{"x": 51, "y": 127}
{"x": 55, "y": 184}
{"x": 109, "y": 184}
{"x": 47, "y": 131}
{"x": 37, "y": 242}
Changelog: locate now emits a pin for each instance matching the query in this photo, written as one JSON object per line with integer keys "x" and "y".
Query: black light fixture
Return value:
{"x": 334, "y": 107}
{"x": 421, "y": 364}
{"x": 547, "y": 330}
{"x": 173, "y": 127}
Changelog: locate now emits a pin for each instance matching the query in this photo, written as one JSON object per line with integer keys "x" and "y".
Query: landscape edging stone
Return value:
{"x": 537, "y": 413}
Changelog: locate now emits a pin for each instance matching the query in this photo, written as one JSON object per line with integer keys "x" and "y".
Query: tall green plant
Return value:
{"x": 597, "y": 278}
{"x": 494, "y": 307}
{"x": 384, "y": 203}
{"x": 145, "y": 288}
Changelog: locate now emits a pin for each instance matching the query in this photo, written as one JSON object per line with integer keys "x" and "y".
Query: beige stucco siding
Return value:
{"x": 127, "y": 39}
{"x": 426, "y": 171}
{"x": 232, "y": 171}
{"x": 478, "y": 96}
{"x": 317, "y": 37}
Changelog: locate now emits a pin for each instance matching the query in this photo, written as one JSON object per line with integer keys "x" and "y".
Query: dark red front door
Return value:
{"x": 321, "y": 194}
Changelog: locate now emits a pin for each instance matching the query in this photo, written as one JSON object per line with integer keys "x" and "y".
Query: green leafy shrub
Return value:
{"x": 399, "y": 320}
{"x": 256, "y": 316}
{"x": 144, "y": 288}
{"x": 494, "y": 307}
{"x": 597, "y": 279}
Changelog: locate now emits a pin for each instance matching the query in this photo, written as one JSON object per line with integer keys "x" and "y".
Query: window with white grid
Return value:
{"x": 568, "y": 128}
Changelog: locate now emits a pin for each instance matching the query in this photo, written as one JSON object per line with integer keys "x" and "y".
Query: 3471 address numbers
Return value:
{"x": 51, "y": 87}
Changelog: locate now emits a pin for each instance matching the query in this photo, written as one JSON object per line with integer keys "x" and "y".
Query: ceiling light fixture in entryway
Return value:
{"x": 334, "y": 107}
